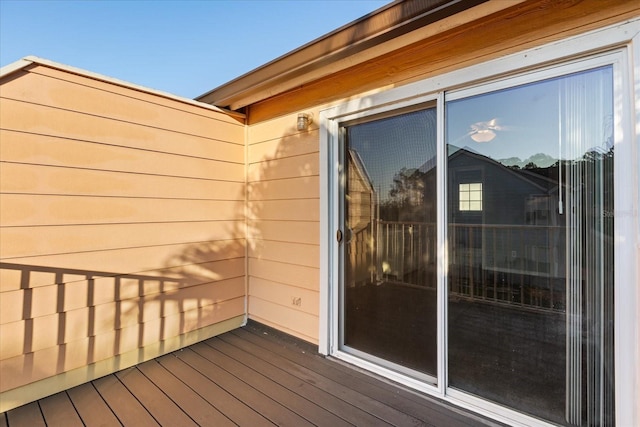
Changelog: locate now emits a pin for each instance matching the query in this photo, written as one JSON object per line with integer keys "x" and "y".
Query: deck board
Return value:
{"x": 58, "y": 410}
{"x": 93, "y": 410}
{"x": 28, "y": 415}
{"x": 269, "y": 364}
{"x": 253, "y": 376}
{"x": 295, "y": 402}
{"x": 229, "y": 405}
{"x": 158, "y": 404}
{"x": 124, "y": 404}
{"x": 201, "y": 411}
{"x": 429, "y": 411}
{"x": 263, "y": 404}
{"x": 351, "y": 386}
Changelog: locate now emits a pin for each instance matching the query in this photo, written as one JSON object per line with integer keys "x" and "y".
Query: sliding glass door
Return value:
{"x": 530, "y": 237}
{"x": 476, "y": 247}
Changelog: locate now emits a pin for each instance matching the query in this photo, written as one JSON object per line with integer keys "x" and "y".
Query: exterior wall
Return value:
{"x": 122, "y": 228}
{"x": 283, "y": 217}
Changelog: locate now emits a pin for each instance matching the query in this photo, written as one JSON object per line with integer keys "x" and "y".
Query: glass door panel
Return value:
{"x": 388, "y": 290}
{"x": 530, "y": 250}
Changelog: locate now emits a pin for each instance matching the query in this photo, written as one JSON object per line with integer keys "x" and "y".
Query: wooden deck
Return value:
{"x": 254, "y": 376}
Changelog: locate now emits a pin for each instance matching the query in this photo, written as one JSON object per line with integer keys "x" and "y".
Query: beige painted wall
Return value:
{"x": 284, "y": 224}
{"x": 121, "y": 224}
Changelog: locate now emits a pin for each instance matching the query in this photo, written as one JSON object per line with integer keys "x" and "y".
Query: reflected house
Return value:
{"x": 134, "y": 223}
{"x": 510, "y": 245}
{"x": 512, "y": 239}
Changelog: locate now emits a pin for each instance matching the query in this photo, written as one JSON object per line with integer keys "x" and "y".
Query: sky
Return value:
{"x": 182, "y": 47}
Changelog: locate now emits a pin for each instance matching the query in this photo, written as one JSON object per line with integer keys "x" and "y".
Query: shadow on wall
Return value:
{"x": 105, "y": 325}
{"x": 82, "y": 317}
{"x": 280, "y": 171}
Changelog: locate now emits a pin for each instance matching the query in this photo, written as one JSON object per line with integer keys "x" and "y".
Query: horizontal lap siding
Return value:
{"x": 121, "y": 221}
{"x": 283, "y": 223}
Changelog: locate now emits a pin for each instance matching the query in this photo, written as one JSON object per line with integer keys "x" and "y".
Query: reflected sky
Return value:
{"x": 388, "y": 145}
{"x": 528, "y": 118}
{"x": 526, "y": 121}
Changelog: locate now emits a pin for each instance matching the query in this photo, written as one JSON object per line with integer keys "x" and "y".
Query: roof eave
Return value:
{"x": 380, "y": 32}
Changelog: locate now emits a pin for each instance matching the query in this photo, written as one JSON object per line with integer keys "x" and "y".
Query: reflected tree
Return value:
{"x": 406, "y": 197}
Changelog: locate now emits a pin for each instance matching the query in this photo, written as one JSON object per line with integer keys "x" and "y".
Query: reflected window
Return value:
{"x": 471, "y": 197}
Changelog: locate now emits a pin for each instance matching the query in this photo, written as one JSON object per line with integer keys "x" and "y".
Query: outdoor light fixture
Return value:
{"x": 304, "y": 121}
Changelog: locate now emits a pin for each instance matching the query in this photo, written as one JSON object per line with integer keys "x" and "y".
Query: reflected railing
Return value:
{"x": 522, "y": 265}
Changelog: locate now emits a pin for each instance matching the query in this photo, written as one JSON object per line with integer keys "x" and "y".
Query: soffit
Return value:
{"x": 387, "y": 29}
{"x": 518, "y": 27}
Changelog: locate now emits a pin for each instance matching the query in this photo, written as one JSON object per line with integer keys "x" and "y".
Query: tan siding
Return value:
{"x": 50, "y": 240}
{"x": 284, "y": 215}
{"x": 291, "y": 274}
{"x": 39, "y": 179}
{"x": 286, "y": 230}
{"x": 61, "y": 90}
{"x": 121, "y": 224}
{"x": 51, "y": 121}
{"x": 284, "y": 167}
{"x": 294, "y": 297}
{"x": 156, "y": 261}
{"x": 47, "y": 330}
{"x": 294, "y": 253}
{"x": 56, "y": 151}
{"x": 287, "y": 319}
{"x": 24, "y": 210}
{"x": 292, "y": 188}
{"x": 287, "y": 210}
{"x": 297, "y": 144}
{"x": 127, "y": 91}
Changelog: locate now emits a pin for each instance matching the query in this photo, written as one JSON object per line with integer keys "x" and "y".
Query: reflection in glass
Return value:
{"x": 389, "y": 286}
{"x": 530, "y": 275}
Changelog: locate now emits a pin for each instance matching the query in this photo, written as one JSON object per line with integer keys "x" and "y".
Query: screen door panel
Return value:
{"x": 388, "y": 291}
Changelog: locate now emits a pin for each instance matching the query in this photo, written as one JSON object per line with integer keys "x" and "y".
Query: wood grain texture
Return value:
{"x": 58, "y": 410}
{"x": 91, "y": 407}
{"x": 26, "y": 416}
{"x": 520, "y": 27}
{"x": 123, "y": 404}
{"x": 198, "y": 409}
